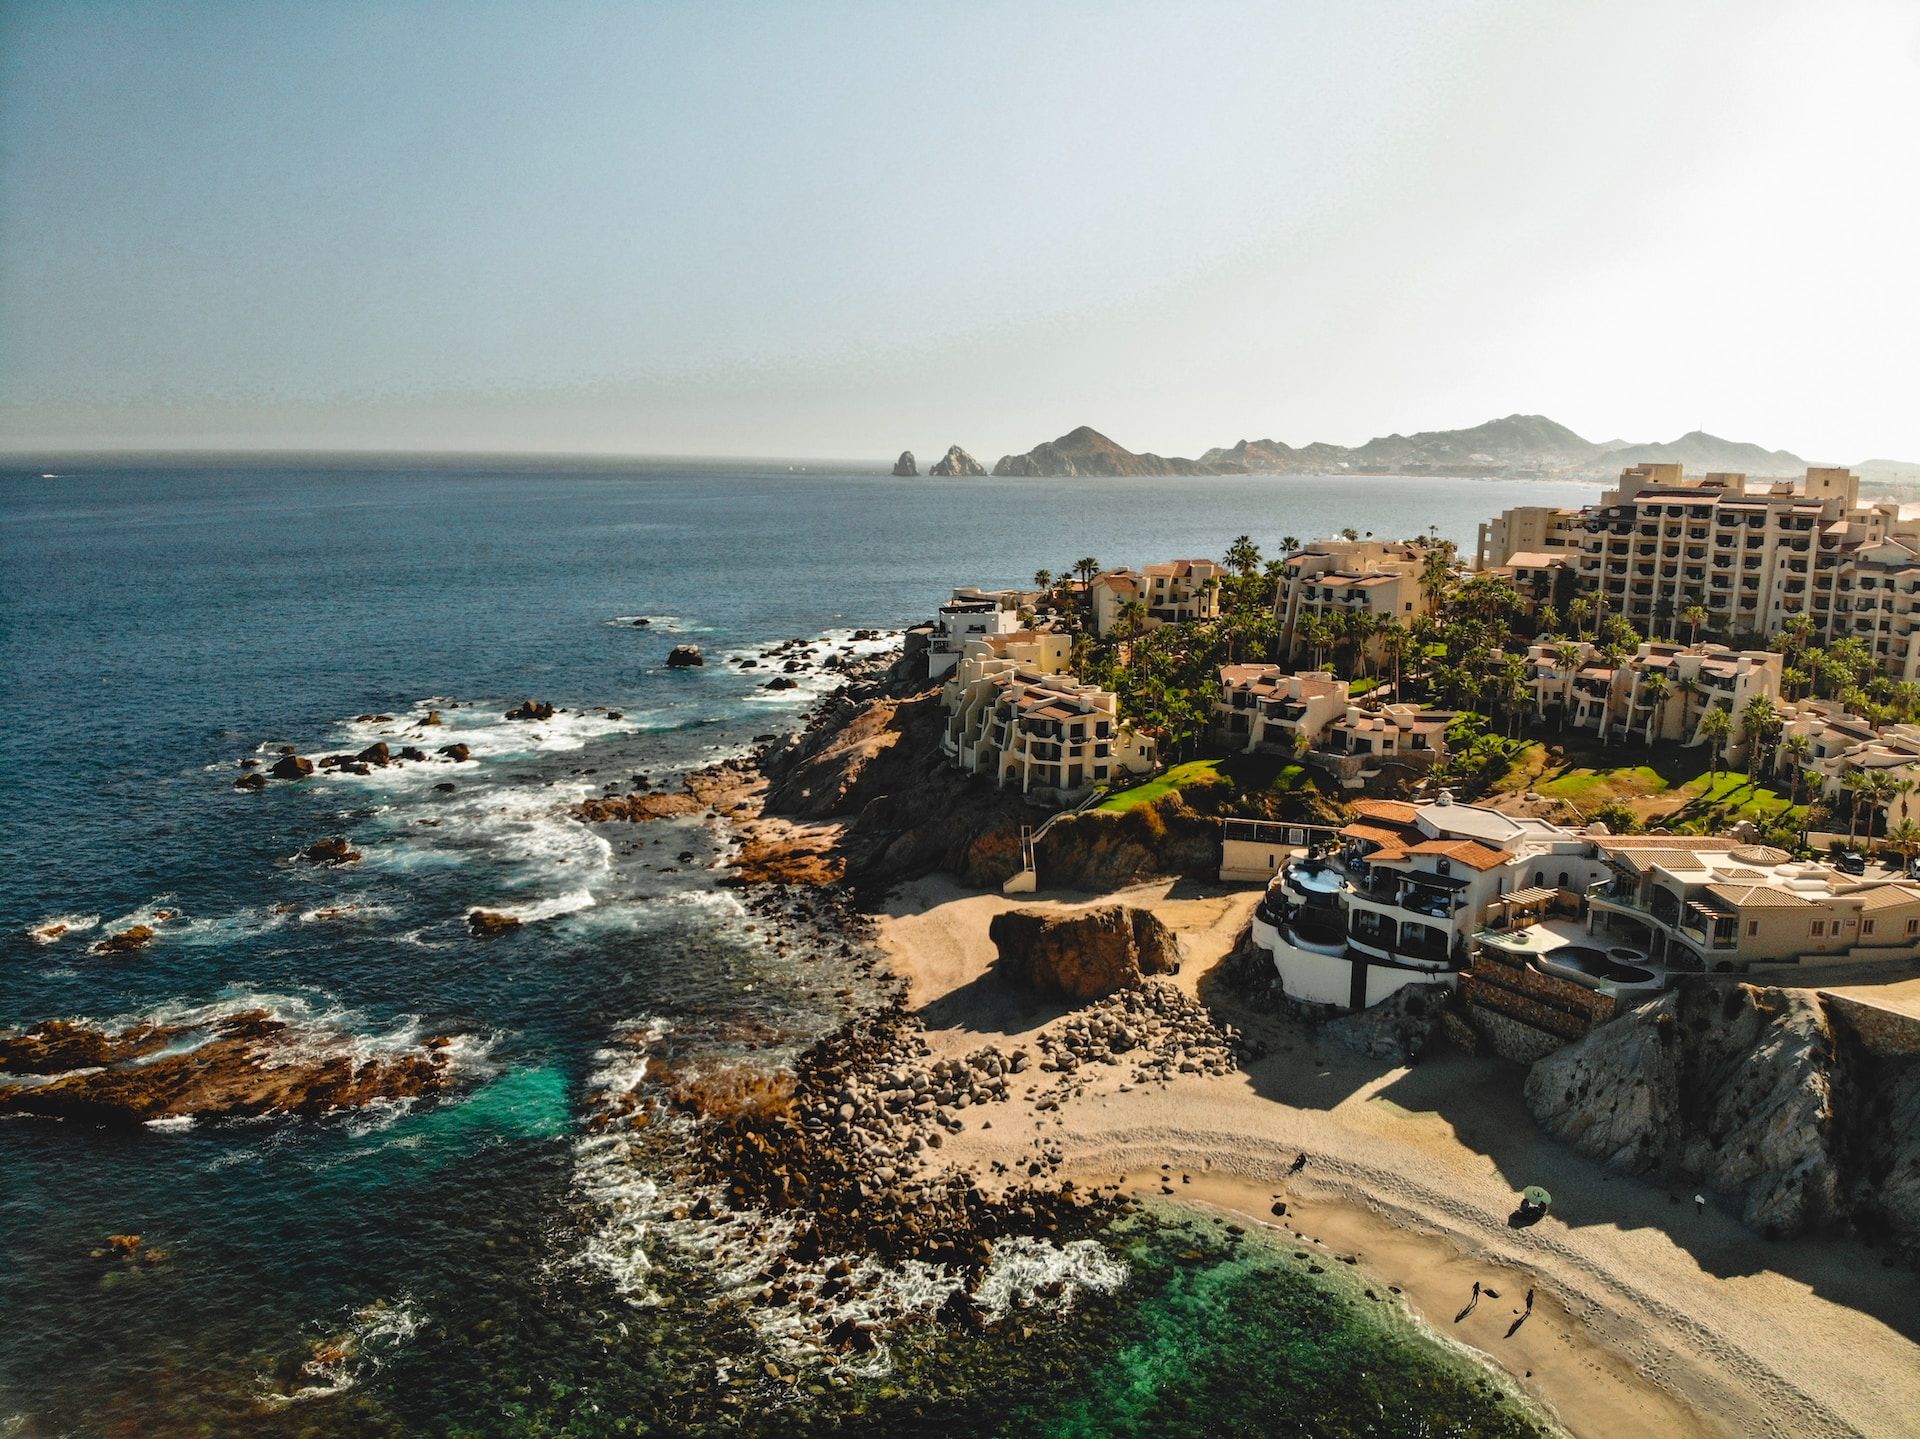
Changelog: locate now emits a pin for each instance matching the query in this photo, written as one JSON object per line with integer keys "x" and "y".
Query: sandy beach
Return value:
{"x": 1649, "y": 1318}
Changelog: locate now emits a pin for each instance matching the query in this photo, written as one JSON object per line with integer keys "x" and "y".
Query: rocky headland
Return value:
{"x": 904, "y": 468}
{"x": 1085, "y": 451}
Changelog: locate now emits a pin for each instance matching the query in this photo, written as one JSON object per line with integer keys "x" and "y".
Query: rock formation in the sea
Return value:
{"x": 134, "y": 936}
{"x": 904, "y": 468}
{"x": 243, "y": 1063}
{"x": 253, "y": 779}
{"x": 1082, "y": 953}
{"x": 957, "y": 463}
{"x": 685, "y": 657}
{"x": 291, "y": 766}
{"x": 531, "y": 710}
{"x": 1086, "y": 451}
{"x": 633, "y": 808}
{"x": 455, "y": 752}
{"x": 486, "y": 923}
{"x": 335, "y": 851}
{"x": 1804, "y": 1105}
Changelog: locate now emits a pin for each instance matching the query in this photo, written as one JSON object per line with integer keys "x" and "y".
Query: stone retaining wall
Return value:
{"x": 1883, "y": 1033}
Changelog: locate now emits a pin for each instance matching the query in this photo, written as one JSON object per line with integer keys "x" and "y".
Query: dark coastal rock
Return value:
{"x": 241, "y": 1064}
{"x": 134, "y": 936}
{"x": 634, "y": 808}
{"x": 685, "y": 657}
{"x": 531, "y": 710}
{"x": 642, "y": 623}
{"x": 433, "y": 718}
{"x": 780, "y": 682}
{"x": 330, "y": 852}
{"x": 957, "y": 464}
{"x": 1084, "y": 953}
{"x": 485, "y": 924}
{"x": 1397, "y": 1028}
{"x": 376, "y": 753}
{"x": 253, "y": 779}
{"x": 455, "y": 752}
{"x": 413, "y": 753}
{"x": 904, "y": 468}
{"x": 291, "y": 766}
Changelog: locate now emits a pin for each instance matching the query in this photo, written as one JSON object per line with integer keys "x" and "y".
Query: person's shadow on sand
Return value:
{"x": 1525, "y": 1217}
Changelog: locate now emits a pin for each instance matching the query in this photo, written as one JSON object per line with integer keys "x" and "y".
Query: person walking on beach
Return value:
{"x": 1472, "y": 1303}
{"x": 1529, "y": 1301}
{"x": 1299, "y": 1162}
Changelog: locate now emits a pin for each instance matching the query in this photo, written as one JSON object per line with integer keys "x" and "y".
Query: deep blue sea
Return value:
{"x": 161, "y": 622}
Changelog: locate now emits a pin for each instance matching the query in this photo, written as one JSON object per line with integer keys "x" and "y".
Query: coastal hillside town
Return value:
{"x": 1673, "y": 733}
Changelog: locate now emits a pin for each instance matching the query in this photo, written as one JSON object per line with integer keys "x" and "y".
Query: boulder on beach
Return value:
{"x": 485, "y": 923}
{"x": 904, "y": 468}
{"x": 531, "y": 710}
{"x": 685, "y": 657}
{"x": 291, "y": 766}
{"x": 1083, "y": 953}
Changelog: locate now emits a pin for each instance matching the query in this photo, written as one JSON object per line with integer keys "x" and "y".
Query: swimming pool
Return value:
{"x": 1597, "y": 964}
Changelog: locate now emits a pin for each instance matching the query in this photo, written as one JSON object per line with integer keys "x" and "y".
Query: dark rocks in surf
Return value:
{"x": 376, "y": 753}
{"x": 433, "y": 718}
{"x": 133, "y": 937}
{"x": 642, "y": 623}
{"x": 253, "y": 779}
{"x": 241, "y": 1064}
{"x": 780, "y": 682}
{"x": 291, "y": 766}
{"x": 330, "y": 852}
{"x": 531, "y": 710}
{"x": 485, "y": 923}
{"x": 685, "y": 657}
{"x": 413, "y": 753}
{"x": 455, "y": 752}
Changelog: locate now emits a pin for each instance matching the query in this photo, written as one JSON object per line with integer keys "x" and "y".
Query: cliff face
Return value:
{"x": 1764, "y": 1093}
{"x": 957, "y": 463}
{"x": 903, "y": 467}
{"x": 1086, "y": 451}
{"x": 1083, "y": 954}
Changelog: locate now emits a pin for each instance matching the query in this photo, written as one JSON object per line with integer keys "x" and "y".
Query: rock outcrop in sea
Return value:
{"x": 903, "y": 468}
{"x": 957, "y": 463}
{"x": 1083, "y": 954}
{"x": 241, "y": 1064}
{"x": 1806, "y": 1110}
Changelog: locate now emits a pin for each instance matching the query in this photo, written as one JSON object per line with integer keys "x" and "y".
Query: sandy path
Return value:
{"x": 1649, "y": 1318}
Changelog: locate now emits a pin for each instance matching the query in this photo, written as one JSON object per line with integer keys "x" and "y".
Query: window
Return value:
{"x": 1753, "y": 927}
{"x": 1866, "y": 926}
{"x": 1443, "y": 866}
{"x": 1819, "y": 927}
{"x": 1913, "y": 926}
{"x": 1563, "y": 879}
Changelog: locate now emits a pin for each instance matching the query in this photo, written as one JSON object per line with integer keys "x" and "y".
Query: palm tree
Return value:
{"x": 1688, "y": 688}
{"x": 1694, "y": 616}
{"x": 1881, "y": 789}
{"x": 1715, "y": 725}
{"x": 1043, "y": 580}
{"x": 1903, "y": 837}
{"x": 1798, "y": 750}
{"x": 1243, "y": 556}
{"x": 1854, "y": 782}
{"x": 1435, "y": 575}
{"x": 1086, "y": 569}
{"x": 1289, "y": 543}
{"x": 1759, "y": 721}
{"x": 1349, "y": 534}
{"x": 1655, "y": 687}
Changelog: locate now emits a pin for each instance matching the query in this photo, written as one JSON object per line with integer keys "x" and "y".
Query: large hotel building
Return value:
{"x": 1752, "y": 553}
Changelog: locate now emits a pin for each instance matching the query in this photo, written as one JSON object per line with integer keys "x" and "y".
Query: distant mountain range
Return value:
{"x": 1519, "y": 446}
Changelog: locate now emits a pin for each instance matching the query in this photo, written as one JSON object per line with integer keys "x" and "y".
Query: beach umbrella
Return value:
{"x": 1537, "y": 1197}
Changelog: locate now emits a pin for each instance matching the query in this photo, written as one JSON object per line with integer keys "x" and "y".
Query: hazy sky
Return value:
{"x": 841, "y": 230}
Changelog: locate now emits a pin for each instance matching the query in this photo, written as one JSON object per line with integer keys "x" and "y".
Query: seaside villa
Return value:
{"x": 1376, "y": 578}
{"x": 1575, "y": 686}
{"x": 970, "y": 615}
{"x": 1263, "y": 709}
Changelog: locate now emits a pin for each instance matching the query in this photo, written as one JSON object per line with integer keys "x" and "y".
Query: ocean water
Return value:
{"x": 482, "y": 1265}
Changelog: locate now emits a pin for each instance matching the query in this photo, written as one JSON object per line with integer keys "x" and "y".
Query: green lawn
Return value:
{"x": 1198, "y": 771}
{"x": 1245, "y": 773}
{"x": 1717, "y": 801}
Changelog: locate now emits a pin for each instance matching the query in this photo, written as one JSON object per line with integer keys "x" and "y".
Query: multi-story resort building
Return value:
{"x": 1371, "y": 577}
{"x": 1549, "y": 531}
{"x": 1263, "y": 709}
{"x": 1172, "y": 592}
{"x": 1016, "y": 715}
{"x": 1574, "y": 686}
{"x": 1751, "y": 554}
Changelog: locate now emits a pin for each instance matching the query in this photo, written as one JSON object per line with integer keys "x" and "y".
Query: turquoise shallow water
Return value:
{"x": 160, "y": 623}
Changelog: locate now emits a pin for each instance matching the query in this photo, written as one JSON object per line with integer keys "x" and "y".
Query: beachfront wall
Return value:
{"x": 1341, "y": 981}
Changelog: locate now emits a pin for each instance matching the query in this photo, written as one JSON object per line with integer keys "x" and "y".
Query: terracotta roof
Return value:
{"x": 1469, "y": 852}
{"x": 1378, "y": 833}
{"x": 1396, "y": 810}
{"x": 1889, "y": 896}
{"x": 1757, "y": 896}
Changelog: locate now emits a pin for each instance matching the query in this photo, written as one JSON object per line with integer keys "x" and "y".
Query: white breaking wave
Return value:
{"x": 571, "y": 902}
{"x": 57, "y": 927}
{"x": 341, "y": 1359}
